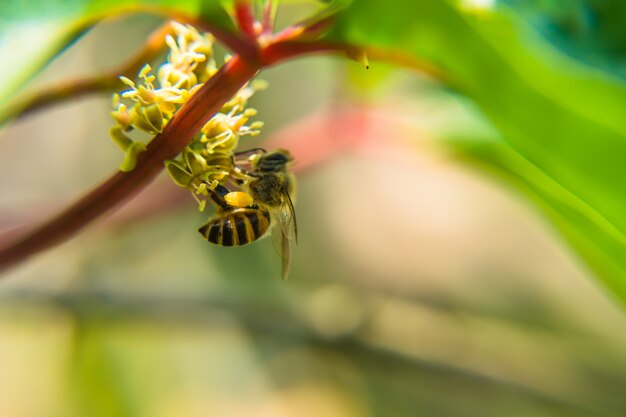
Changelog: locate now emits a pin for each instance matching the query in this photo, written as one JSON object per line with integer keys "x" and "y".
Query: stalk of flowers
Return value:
{"x": 152, "y": 101}
{"x": 208, "y": 160}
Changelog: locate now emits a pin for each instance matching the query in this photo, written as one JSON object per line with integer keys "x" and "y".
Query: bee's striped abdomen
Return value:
{"x": 236, "y": 227}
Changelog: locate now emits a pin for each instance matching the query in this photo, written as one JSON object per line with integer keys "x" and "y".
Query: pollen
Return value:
{"x": 238, "y": 199}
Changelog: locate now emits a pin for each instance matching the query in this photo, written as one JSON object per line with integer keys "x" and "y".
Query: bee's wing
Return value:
{"x": 282, "y": 246}
{"x": 287, "y": 231}
{"x": 288, "y": 218}
{"x": 280, "y": 241}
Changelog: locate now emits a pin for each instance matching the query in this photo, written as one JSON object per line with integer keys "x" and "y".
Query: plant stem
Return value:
{"x": 245, "y": 18}
{"x": 269, "y": 16}
{"x": 122, "y": 185}
{"x": 280, "y": 51}
{"x": 76, "y": 88}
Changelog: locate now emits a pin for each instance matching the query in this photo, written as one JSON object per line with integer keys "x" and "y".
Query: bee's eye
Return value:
{"x": 273, "y": 162}
{"x": 276, "y": 158}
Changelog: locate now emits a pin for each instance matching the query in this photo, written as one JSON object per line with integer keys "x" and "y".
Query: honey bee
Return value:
{"x": 265, "y": 200}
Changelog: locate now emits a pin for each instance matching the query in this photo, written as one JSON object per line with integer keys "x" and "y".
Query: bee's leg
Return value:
{"x": 217, "y": 195}
{"x": 250, "y": 151}
{"x": 242, "y": 171}
{"x": 245, "y": 173}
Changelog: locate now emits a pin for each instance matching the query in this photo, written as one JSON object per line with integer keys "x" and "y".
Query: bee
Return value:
{"x": 238, "y": 221}
{"x": 265, "y": 201}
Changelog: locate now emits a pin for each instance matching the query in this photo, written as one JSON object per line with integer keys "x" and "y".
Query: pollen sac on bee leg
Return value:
{"x": 239, "y": 199}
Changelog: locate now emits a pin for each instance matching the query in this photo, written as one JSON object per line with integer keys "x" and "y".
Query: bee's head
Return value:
{"x": 275, "y": 161}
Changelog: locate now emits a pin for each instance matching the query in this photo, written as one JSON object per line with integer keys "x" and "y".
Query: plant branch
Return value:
{"x": 122, "y": 185}
{"x": 282, "y": 50}
{"x": 269, "y": 16}
{"x": 309, "y": 28}
{"x": 38, "y": 100}
{"x": 274, "y": 321}
{"x": 76, "y": 88}
{"x": 233, "y": 41}
{"x": 245, "y": 18}
{"x": 241, "y": 45}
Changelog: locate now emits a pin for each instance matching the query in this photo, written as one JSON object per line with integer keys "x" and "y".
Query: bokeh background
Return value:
{"x": 420, "y": 286}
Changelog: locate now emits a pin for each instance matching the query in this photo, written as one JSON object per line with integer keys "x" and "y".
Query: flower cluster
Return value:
{"x": 208, "y": 159}
{"x": 150, "y": 103}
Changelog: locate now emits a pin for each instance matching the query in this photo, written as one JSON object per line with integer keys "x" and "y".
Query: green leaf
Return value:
{"x": 216, "y": 13}
{"x": 562, "y": 124}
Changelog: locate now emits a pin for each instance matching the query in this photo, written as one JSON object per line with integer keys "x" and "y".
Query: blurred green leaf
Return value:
{"x": 562, "y": 124}
{"x": 97, "y": 381}
{"x": 592, "y": 31}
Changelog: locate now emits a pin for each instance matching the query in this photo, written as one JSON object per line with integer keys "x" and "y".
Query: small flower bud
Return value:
{"x": 130, "y": 157}
{"x": 118, "y": 136}
{"x": 149, "y": 119}
{"x": 196, "y": 163}
{"x": 144, "y": 71}
{"x": 178, "y": 173}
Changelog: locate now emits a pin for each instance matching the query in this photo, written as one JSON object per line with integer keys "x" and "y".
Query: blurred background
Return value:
{"x": 419, "y": 286}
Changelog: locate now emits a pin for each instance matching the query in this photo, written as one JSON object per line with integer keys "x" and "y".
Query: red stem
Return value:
{"x": 245, "y": 18}
{"x": 177, "y": 134}
{"x": 241, "y": 45}
{"x": 268, "y": 17}
{"x": 277, "y": 52}
{"x": 290, "y": 48}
